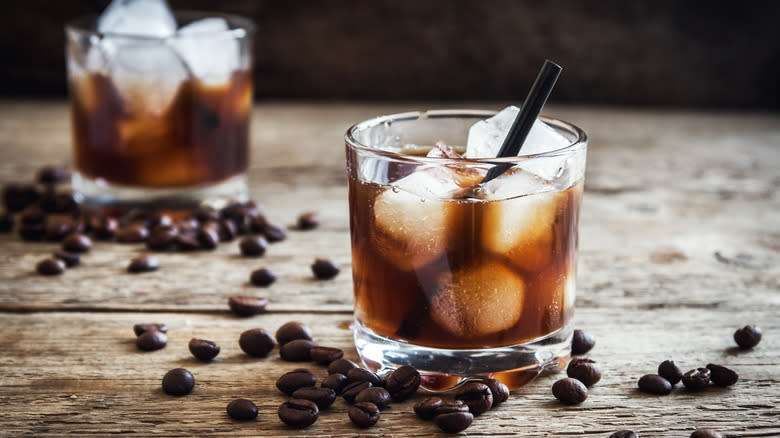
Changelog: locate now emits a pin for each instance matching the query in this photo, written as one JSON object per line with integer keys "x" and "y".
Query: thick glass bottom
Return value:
{"x": 444, "y": 369}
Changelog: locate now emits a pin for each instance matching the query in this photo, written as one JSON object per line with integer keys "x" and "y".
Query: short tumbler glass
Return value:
{"x": 458, "y": 279}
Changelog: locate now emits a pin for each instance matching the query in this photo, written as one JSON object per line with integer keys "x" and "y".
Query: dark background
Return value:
{"x": 669, "y": 53}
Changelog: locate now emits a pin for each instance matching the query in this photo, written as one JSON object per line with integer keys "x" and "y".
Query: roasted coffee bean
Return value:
{"x": 476, "y": 396}
{"x": 51, "y": 175}
{"x": 17, "y": 197}
{"x": 325, "y": 355}
{"x": 654, "y": 384}
{"x": 291, "y": 331}
{"x": 143, "y": 263}
{"x": 451, "y": 406}
{"x": 705, "y": 433}
{"x": 298, "y": 413}
{"x": 65, "y": 202}
{"x": 353, "y": 389}
{"x": 364, "y": 414}
{"x": 159, "y": 220}
{"x": 187, "y": 240}
{"x": 721, "y": 375}
{"x": 162, "y": 238}
{"x": 298, "y": 350}
{"x": 364, "y": 375}
{"x": 262, "y": 277}
{"x": 403, "y": 382}
{"x": 584, "y": 369}
{"x": 105, "y": 227}
{"x": 322, "y": 397}
{"x": 137, "y": 216}
{"x": 205, "y": 214}
{"x": 257, "y": 223}
{"x": 274, "y": 233}
{"x": 203, "y": 350}
{"x": 325, "y": 269}
{"x": 293, "y": 380}
{"x": 242, "y": 409}
{"x": 253, "y": 246}
{"x": 748, "y": 336}
{"x": 308, "y": 220}
{"x": 151, "y": 340}
{"x": 570, "y": 391}
{"x": 132, "y": 233}
{"x": 140, "y": 329}
{"x": 58, "y": 227}
{"x": 426, "y": 408}
{"x": 498, "y": 389}
{"x": 7, "y": 221}
{"x": 341, "y": 366}
{"x": 245, "y": 305}
{"x": 670, "y": 371}
{"x": 50, "y": 266}
{"x": 178, "y": 381}
{"x": 376, "y": 395}
{"x": 582, "y": 342}
{"x": 453, "y": 417}
{"x": 208, "y": 237}
{"x": 256, "y": 342}
{"x": 696, "y": 379}
{"x": 226, "y": 230}
{"x": 32, "y": 232}
{"x": 70, "y": 259}
{"x": 336, "y": 382}
{"x": 77, "y": 243}
{"x": 624, "y": 434}
{"x": 32, "y": 215}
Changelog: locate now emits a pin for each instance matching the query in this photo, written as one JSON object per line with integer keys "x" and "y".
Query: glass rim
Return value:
{"x": 243, "y": 27}
{"x": 580, "y": 140}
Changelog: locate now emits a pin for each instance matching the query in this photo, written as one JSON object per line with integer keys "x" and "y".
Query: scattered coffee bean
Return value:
{"x": 364, "y": 414}
{"x": 291, "y": 331}
{"x": 476, "y": 396}
{"x": 77, "y": 243}
{"x": 187, "y": 241}
{"x": 140, "y": 329}
{"x": 17, "y": 197}
{"x": 376, "y": 395}
{"x": 51, "y": 175}
{"x": 151, "y": 340}
{"x": 498, "y": 389}
{"x": 242, "y": 409}
{"x": 262, "y": 277}
{"x": 322, "y": 397}
{"x": 105, "y": 228}
{"x": 159, "y": 220}
{"x": 137, "y": 216}
{"x": 53, "y": 202}
{"x": 162, "y": 238}
{"x": 353, "y": 389}
{"x": 298, "y": 413}
{"x": 624, "y": 434}
{"x": 253, "y": 246}
{"x": 426, "y": 408}
{"x": 32, "y": 215}
{"x": 324, "y": 269}
{"x": 70, "y": 259}
{"x": 696, "y": 379}
{"x": 203, "y": 350}
{"x": 570, "y": 391}
{"x": 336, "y": 382}
{"x": 403, "y": 382}
{"x": 58, "y": 227}
{"x": 132, "y": 233}
{"x": 582, "y": 342}
{"x": 178, "y": 381}
{"x": 705, "y": 433}
{"x": 364, "y": 375}
{"x": 274, "y": 233}
{"x": 341, "y": 366}
{"x": 300, "y": 378}
{"x": 654, "y": 384}
{"x": 584, "y": 369}
{"x": 748, "y": 336}
{"x": 298, "y": 350}
{"x": 50, "y": 266}
{"x": 325, "y": 355}
{"x": 208, "y": 238}
{"x": 226, "y": 230}
{"x": 6, "y": 222}
{"x": 308, "y": 220}
{"x": 256, "y": 342}
{"x": 670, "y": 371}
{"x": 32, "y": 232}
{"x": 451, "y": 406}
{"x": 721, "y": 375}
{"x": 453, "y": 417}
{"x": 143, "y": 263}
{"x": 245, "y": 305}
{"x": 205, "y": 214}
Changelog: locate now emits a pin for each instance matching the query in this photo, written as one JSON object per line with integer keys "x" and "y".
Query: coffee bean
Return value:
{"x": 325, "y": 269}
{"x": 32, "y": 215}
{"x": 137, "y": 216}
{"x": 17, "y": 197}
{"x": 376, "y": 395}
{"x": 322, "y": 397}
{"x": 705, "y": 433}
{"x": 274, "y": 233}
{"x": 132, "y": 233}
{"x": 143, "y": 263}
{"x": 624, "y": 434}
{"x": 58, "y": 227}
{"x": 7, "y": 221}
{"x": 245, "y": 305}
{"x": 453, "y": 417}
{"x": 151, "y": 340}
{"x": 105, "y": 227}
{"x": 253, "y": 246}
{"x": 696, "y": 379}
{"x": 256, "y": 342}
{"x": 226, "y": 230}
{"x": 670, "y": 371}
{"x": 159, "y": 220}
{"x": 262, "y": 277}
{"x": 364, "y": 375}
{"x": 570, "y": 391}
{"x": 654, "y": 384}
{"x": 208, "y": 237}
{"x": 242, "y": 409}
{"x": 140, "y": 329}
{"x": 298, "y": 350}
{"x": 353, "y": 389}
{"x": 187, "y": 240}
{"x": 451, "y": 406}
{"x": 291, "y": 331}
{"x": 325, "y": 355}
{"x": 298, "y": 413}
{"x": 748, "y": 336}
{"x": 403, "y": 382}
{"x": 721, "y": 375}
{"x": 205, "y": 214}
{"x": 476, "y": 396}
{"x": 77, "y": 243}
{"x": 178, "y": 381}
{"x": 582, "y": 342}
{"x": 300, "y": 378}
{"x": 70, "y": 259}
{"x": 426, "y": 408}
{"x": 498, "y": 389}
{"x": 336, "y": 382}
{"x": 50, "y": 266}
{"x": 585, "y": 370}
{"x": 308, "y": 220}
{"x": 257, "y": 223}
{"x": 364, "y": 414}
{"x": 341, "y": 366}
{"x": 53, "y": 202}
{"x": 162, "y": 238}
{"x": 203, "y": 350}
{"x": 51, "y": 175}
{"x": 32, "y": 232}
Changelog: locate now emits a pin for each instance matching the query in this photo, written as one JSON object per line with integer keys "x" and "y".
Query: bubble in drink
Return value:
{"x": 151, "y": 18}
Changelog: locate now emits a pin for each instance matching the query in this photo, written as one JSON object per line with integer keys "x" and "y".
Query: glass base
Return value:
{"x": 99, "y": 193}
{"x": 443, "y": 369}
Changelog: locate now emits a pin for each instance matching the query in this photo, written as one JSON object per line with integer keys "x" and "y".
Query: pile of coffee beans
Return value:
{"x": 472, "y": 399}
{"x": 582, "y": 372}
{"x": 696, "y": 379}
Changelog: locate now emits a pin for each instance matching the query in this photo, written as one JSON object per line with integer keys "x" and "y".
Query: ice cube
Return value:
{"x": 152, "y": 18}
{"x": 209, "y": 50}
{"x": 486, "y": 136}
{"x": 479, "y": 300}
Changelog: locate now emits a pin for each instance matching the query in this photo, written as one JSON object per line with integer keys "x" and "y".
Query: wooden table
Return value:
{"x": 680, "y": 246}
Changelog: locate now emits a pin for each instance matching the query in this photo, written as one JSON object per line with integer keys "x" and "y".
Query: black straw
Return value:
{"x": 537, "y": 97}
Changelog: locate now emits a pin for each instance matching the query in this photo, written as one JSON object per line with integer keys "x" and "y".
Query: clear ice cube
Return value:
{"x": 152, "y": 18}
{"x": 211, "y": 53}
